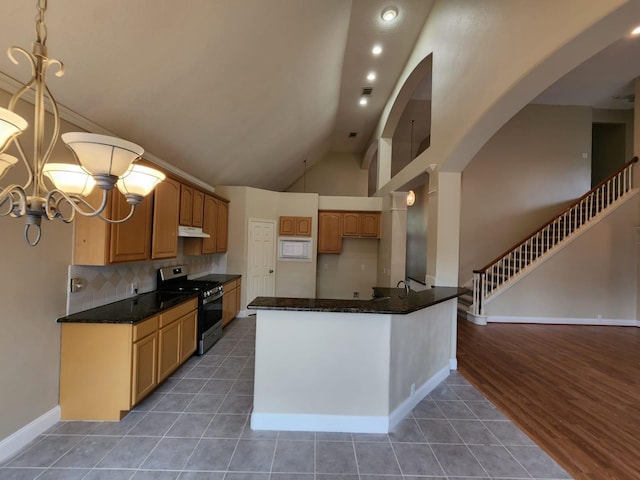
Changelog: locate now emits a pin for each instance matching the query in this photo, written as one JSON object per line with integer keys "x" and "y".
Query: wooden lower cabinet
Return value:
{"x": 107, "y": 368}
{"x": 144, "y": 367}
{"x": 230, "y": 301}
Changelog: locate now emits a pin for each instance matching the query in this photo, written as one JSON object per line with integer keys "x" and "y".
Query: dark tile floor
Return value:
{"x": 195, "y": 426}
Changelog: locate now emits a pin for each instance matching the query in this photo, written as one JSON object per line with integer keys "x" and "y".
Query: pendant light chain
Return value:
{"x": 41, "y": 27}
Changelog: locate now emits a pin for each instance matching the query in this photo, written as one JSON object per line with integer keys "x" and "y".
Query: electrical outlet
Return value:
{"x": 133, "y": 288}
{"x": 413, "y": 389}
{"x": 356, "y": 294}
{"x": 76, "y": 284}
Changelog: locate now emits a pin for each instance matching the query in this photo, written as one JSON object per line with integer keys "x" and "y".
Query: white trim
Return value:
{"x": 301, "y": 422}
{"x": 453, "y": 364}
{"x": 17, "y": 440}
{"x": 477, "y": 319}
{"x": 617, "y": 322}
{"x": 402, "y": 410}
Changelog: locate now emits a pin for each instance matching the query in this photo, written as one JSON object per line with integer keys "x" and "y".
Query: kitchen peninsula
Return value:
{"x": 350, "y": 365}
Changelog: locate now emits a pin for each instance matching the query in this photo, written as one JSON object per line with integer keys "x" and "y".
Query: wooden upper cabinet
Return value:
{"x": 131, "y": 240}
{"x": 370, "y": 224}
{"x": 210, "y": 224}
{"x": 295, "y": 226}
{"x": 350, "y": 224}
{"x": 99, "y": 243}
{"x": 166, "y": 205}
{"x": 287, "y": 225}
{"x": 197, "y": 210}
{"x": 329, "y": 232}
{"x": 223, "y": 227}
{"x": 186, "y": 205}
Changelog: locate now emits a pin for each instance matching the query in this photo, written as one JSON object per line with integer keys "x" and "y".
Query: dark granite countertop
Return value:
{"x": 219, "y": 277}
{"x": 386, "y": 300}
{"x": 130, "y": 310}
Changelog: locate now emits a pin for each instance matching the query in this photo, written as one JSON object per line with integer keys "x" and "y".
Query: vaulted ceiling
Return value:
{"x": 235, "y": 92}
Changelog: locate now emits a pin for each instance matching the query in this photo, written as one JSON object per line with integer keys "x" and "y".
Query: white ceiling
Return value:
{"x": 235, "y": 92}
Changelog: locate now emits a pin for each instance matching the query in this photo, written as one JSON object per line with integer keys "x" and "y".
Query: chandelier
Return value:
{"x": 104, "y": 161}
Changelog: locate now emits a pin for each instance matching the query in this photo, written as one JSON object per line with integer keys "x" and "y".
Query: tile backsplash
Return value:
{"x": 102, "y": 285}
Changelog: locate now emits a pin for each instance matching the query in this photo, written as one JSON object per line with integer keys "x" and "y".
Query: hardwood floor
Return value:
{"x": 575, "y": 390}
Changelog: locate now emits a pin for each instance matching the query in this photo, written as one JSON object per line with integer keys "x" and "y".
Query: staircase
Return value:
{"x": 514, "y": 263}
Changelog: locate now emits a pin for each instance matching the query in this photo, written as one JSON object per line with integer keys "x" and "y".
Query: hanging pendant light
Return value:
{"x": 102, "y": 160}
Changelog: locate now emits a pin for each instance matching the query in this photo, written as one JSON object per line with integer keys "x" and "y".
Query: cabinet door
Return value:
{"x": 228, "y": 306}
{"x": 131, "y": 240}
{"x": 144, "y": 375}
{"x": 209, "y": 224}
{"x": 198, "y": 203}
{"x": 168, "y": 349}
{"x": 223, "y": 225}
{"x": 166, "y": 210}
{"x": 329, "y": 225}
{"x": 303, "y": 226}
{"x": 351, "y": 224}
{"x": 188, "y": 335}
{"x": 287, "y": 225}
{"x": 370, "y": 225}
{"x": 186, "y": 205}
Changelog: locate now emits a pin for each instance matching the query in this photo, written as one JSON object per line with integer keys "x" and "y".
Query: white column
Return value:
{"x": 443, "y": 234}
{"x": 384, "y": 161}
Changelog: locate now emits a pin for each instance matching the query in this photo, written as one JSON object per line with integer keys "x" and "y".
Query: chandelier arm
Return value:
{"x": 54, "y": 137}
{"x": 122, "y": 220}
{"x": 17, "y": 198}
{"x": 52, "y": 203}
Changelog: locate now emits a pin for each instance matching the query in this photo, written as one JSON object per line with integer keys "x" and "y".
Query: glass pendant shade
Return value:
{"x": 139, "y": 180}
{"x": 100, "y": 154}
{"x": 11, "y": 124}
{"x": 6, "y": 162}
{"x": 69, "y": 178}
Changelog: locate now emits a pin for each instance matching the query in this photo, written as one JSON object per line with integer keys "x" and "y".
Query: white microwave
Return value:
{"x": 294, "y": 248}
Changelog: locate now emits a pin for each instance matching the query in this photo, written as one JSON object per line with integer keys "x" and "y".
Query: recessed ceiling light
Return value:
{"x": 363, "y": 101}
{"x": 389, "y": 14}
{"x": 377, "y": 50}
{"x": 371, "y": 76}
{"x": 636, "y": 31}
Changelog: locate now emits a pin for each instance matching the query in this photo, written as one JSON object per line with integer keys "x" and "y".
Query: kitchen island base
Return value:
{"x": 348, "y": 372}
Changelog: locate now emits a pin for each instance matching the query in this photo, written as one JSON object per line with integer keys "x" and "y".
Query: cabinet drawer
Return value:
{"x": 142, "y": 329}
{"x": 180, "y": 311}
{"x": 231, "y": 285}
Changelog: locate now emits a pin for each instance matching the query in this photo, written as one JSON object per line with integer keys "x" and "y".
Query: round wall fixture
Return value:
{"x": 411, "y": 198}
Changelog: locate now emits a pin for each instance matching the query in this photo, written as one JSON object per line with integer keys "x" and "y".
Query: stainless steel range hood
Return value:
{"x": 193, "y": 232}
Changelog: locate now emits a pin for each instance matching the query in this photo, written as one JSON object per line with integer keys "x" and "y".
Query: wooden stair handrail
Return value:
{"x": 603, "y": 182}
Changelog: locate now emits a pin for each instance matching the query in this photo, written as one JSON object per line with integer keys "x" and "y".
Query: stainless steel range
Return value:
{"x": 175, "y": 279}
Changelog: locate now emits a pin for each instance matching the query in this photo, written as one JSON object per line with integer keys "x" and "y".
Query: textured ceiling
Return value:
{"x": 236, "y": 92}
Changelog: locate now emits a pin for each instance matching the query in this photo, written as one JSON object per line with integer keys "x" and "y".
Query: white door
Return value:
{"x": 261, "y": 268}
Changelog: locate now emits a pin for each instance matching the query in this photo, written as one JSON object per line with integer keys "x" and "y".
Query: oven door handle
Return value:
{"x": 212, "y": 298}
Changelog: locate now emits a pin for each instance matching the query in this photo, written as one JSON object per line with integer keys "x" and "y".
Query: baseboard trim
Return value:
{"x": 17, "y": 440}
{"x": 453, "y": 364}
{"x": 297, "y": 422}
{"x": 402, "y": 410}
{"x": 476, "y": 319}
{"x": 615, "y": 322}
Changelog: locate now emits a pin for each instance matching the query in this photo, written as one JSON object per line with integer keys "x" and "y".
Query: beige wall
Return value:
{"x": 594, "y": 275}
{"x": 336, "y": 174}
{"x": 293, "y": 279}
{"x": 354, "y": 270}
{"x": 33, "y": 295}
{"x": 528, "y": 171}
